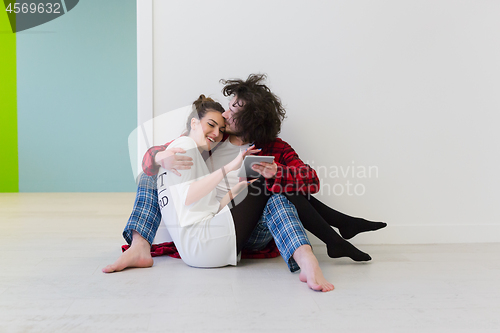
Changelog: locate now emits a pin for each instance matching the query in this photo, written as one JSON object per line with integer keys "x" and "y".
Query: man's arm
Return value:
{"x": 148, "y": 161}
{"x": 158, "y": 156}
{"x": 292, "y": 174}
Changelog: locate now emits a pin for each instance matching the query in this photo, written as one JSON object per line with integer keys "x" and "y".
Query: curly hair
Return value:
{"x": 262, "y": 113}
{"x": 200, "y": 108}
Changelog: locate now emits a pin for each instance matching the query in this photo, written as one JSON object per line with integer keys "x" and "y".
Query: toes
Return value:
{"x": 314, "y": 285}
{"x": 326, "y": 288}
{"x": 108, "y": 269}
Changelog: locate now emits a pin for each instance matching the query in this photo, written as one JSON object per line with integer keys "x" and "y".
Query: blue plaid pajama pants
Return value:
{"x": 279, "y": 221}
{"x": 146, "y": 214}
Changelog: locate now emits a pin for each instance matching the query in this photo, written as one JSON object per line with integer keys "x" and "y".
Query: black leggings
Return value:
{"x": 318, "y": 218}
{"x": 315, "y": 216}
{"x": 247, "y": 213}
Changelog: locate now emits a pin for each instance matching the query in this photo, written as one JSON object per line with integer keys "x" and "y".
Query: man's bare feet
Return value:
{"x": 310, "y": 272}
{"x": 138, "y": 255}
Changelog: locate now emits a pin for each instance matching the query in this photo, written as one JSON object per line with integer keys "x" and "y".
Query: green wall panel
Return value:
{"x": 9, "y": 175}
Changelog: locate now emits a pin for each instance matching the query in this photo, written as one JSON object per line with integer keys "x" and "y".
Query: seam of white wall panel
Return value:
{"x": 145, "y": 75}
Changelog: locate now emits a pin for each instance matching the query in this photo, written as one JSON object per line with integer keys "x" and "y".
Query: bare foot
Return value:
{"x": 138, "y": 255}
{"x": 310, "y": 272}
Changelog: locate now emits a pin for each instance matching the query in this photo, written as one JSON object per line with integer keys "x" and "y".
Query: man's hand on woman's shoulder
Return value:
{"x": 169, "y": 160}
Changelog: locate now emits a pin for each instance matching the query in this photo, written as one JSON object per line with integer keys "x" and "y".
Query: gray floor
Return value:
{"x": 53, "y": 246}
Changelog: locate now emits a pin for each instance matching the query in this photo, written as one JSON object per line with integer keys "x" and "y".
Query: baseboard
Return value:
{"x": 407, "y": 234}
{"x": 427, "y": 234}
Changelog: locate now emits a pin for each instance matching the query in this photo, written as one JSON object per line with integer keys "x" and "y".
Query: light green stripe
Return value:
{"x": 9, "y": 171}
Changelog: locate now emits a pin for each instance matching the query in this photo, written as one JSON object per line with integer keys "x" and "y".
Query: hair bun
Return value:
{"x": 200, "y": 107}
{"x": 202, "y": 99}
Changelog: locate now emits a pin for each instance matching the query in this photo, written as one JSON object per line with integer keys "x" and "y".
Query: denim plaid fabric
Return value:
{"x": 146, "y": 215}
{"x": 282, "y": 222}
{"x": 260, "y": 237}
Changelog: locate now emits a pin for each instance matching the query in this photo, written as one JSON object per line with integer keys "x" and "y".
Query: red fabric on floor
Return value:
{"x": 169, "y": 249}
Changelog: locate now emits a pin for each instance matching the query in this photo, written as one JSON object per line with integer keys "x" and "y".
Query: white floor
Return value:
{"x": 53, "y": 246}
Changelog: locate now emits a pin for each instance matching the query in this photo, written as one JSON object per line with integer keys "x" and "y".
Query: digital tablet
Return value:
{"x": 246, "y": 170}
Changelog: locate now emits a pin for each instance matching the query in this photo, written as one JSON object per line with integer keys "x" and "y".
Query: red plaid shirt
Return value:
{"x": 293, "y": 175}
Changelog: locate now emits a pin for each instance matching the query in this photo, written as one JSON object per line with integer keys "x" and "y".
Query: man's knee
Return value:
{"x": 278, "y": 200}
{"x": 145, "y": 181}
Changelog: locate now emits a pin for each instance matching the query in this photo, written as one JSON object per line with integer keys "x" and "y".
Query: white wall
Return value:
{"x": 409, "y": 88}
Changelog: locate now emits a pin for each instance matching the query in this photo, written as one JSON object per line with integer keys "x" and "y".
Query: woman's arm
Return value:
{"x": 204, "y": 186}
{"x": 233, "y": 192}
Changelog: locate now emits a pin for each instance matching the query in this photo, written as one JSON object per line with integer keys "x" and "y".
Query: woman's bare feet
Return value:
{"x": 310, "y": 271}
{"x": 138, "y": 255}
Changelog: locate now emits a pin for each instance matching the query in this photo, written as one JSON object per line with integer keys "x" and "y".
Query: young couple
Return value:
{"x": 194, "y": 192}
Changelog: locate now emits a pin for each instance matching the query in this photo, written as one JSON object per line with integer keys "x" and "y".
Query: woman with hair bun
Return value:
{"x": 202, "y": 228}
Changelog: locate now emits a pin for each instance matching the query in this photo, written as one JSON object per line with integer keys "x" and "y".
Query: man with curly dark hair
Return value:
{"x": 263, "y": 113}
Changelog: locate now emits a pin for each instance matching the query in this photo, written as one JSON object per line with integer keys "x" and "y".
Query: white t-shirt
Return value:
{"x": 225, "y": 153}
{"x": 203, "y": 237}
